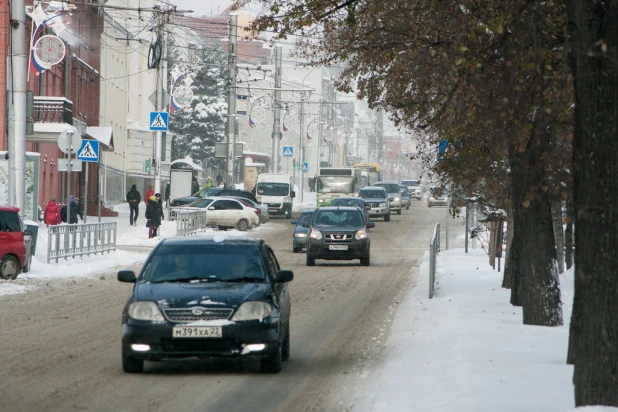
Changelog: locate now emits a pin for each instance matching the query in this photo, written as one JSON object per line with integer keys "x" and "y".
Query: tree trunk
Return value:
{"x": 556, "y": 211}
{"x": 568, "y": 234}
{"x": 507, "y": 279}
{"x": 539, "y": 285}
{"x": 593, "y": 344}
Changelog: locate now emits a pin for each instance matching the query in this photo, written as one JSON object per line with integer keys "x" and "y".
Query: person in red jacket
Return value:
{"x": 51, "y": 216}
{"x": 149, "y": 193}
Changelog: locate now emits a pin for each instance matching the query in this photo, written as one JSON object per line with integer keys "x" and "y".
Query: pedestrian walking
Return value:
{"x": 149, "y": 193}
{"x": 219, "y": 179}
{"x": 133, "y": 198}
{"x": 75, "y": 211}
{"x": 208, "y": 183}
{"x": 154, "y": 214}
{"x": 51, "y": 215}
{"x": 195, "y": 186}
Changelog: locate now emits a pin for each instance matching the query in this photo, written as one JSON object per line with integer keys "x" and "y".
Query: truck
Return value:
{"x": 276, "y": 190}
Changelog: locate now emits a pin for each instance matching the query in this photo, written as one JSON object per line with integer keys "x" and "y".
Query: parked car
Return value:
{"x": 13, "y": 255}
{"x": 225, "y": 213}
{"x": 264, "y": 215}
{"x": 394, "y": 194}
{"x": 376, "y": 198}
{"x": 203, "y": 297}
{"x": 299, "y": 236}
{"x": 438, "y": 196}
{"x": 353, "y": 201}
{"x": 212, "y": 192}
{"x": 338, "y": 233}
{"x": 405, "y": 197}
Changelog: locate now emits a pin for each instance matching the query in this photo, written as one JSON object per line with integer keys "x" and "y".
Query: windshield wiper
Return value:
{"x": 245, "y": 279}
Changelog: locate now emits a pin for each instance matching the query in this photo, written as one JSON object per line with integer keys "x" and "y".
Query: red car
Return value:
{"x": 13, "y": 257}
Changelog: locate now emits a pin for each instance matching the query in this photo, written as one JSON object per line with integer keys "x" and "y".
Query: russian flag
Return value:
{"x": 308, "y": 136}
{"x": 251, "y": 122}
{"x": 285, "y": 129}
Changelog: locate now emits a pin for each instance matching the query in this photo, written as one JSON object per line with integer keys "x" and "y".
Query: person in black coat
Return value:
{"x": 75, "y": 211}
{"x": 154, "y": 214}
{"x": 133, "y": 198}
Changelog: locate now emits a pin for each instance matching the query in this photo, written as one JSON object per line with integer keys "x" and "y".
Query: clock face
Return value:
{"x": 50, "y": 50}
{"x": 259, "y": 113}
{"x": 183, "y": 96}
{"x": 292, "y": 120}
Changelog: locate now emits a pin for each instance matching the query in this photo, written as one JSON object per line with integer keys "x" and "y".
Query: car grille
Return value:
{"x": 374, "y": 204}
{"x": 192, "y": 315}
{"x": 338, "y": 238}
{"x": 276, "y": 205}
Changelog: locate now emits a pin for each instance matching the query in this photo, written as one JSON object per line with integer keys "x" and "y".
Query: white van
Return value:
{"x": 276, "y": 191}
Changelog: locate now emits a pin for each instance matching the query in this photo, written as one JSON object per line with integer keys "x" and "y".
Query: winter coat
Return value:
{"x": 51, "y": 216}
{"x": 195, "y": 187}
{"x": 154, "y": 213}
{"x": 149, "y": 193}
{"x": 133, "y": 197}
{"x": 75, "y": 211}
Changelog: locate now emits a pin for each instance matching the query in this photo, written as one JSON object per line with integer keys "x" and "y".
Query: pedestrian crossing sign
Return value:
{"x": 159, "y": 121}
{"x": 305, "y": 166}
{"x": 288, "y": 151}
{"x": 88, "y": 151}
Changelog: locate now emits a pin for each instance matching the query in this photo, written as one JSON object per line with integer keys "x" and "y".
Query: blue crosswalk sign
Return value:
{"x": 288, "y": 151}
{"x": 88, "y": 151}
{"x": 305, "y": 166}
{"x": 159, "y": 121}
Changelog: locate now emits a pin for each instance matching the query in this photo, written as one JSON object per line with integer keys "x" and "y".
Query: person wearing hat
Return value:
{"x": 154, "y": 214}
{"x": 75, "y": 211}
{"x": 149, "y": 193}
{"x": 51, "y": 216}
{"x": 133, "y": 198}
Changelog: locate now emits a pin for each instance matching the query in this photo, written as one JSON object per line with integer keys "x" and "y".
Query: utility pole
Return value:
{"x": 277, "y": 109}
{"x": 231, "y": 102}
{"x": 18, "y": 69}
{"x": 302, "y": 145}
{"x": 160, "y": 106}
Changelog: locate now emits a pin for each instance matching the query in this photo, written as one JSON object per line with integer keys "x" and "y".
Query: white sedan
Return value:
{"x": 264, "y": 216}
{"x": 226, "y": 212}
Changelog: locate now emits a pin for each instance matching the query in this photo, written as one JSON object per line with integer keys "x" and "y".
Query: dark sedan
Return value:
{"x": 299, "y": 236}
{"x": 207, "y": 297}
{"x": 338, "y": 233}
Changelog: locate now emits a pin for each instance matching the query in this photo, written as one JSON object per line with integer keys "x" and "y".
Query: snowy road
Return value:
{"x": 61, "y": 341}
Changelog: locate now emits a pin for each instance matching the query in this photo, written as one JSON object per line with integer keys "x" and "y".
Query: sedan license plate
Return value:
{"x": 338, "y": 247}
{"x": 197, "y": 332}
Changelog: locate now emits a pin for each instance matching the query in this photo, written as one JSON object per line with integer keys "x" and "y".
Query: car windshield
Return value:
{"x": 372, "y": 194}
{"x": 200, "y": 203}
{"x": 204, "y": 263}
{"x": 348, "y": 202}
{"x": 390, "y": 187}
{"x": 272, "y": 189}
{"x": 439, "y": 191}
{"x": 305, "y": 218}
{"x": 345, "y": 218}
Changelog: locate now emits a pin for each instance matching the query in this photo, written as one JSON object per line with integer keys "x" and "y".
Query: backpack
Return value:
{"x": 63, "y": 213}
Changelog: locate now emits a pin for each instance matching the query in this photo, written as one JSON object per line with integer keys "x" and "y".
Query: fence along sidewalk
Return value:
{"x": 67, "y": 240}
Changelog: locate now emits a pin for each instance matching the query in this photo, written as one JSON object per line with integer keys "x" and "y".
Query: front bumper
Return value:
{"x": 299, "y": 241}
{"x": 320, "y": 250}
{"x": 232, "y": 344}
{"x": 395, "y": 204}
{"x": 437, "y": 202}
{"x": 379, "y": 211}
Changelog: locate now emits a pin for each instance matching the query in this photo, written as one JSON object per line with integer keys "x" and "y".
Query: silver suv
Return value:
{"x": 394, "y": 194}
{"x": 376, "y": 197}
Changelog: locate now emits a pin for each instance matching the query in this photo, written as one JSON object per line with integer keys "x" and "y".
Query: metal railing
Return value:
{"x": 188, "y": 222}
{"x": 52, "y": 110}
{"x": 434, "y": 248}
{"x": 66, "y": 241}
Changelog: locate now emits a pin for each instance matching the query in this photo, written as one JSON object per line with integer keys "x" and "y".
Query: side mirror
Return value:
{"x": 284, "y": 276}
{"x": 292, "y": 194}
{"x": 370, "y": 225}
{"x": 305, "y": 224}
{"x": 127, "y": 276}
{"x": 294, "y": 222}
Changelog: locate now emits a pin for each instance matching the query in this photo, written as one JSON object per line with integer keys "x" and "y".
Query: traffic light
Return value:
{"x": 147, "y": 166}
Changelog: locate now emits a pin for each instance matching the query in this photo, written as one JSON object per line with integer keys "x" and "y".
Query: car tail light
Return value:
{"x": 257, "y": 211}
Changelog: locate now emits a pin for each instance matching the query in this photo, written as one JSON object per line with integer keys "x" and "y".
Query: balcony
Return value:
{"x": 51, "y": 115}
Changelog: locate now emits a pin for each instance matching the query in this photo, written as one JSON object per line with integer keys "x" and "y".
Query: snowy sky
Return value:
{"x": 203, "y": 7}
{"x": 465, "y": 350}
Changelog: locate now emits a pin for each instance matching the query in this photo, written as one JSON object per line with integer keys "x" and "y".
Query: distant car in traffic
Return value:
{"x": 202, "y": 297}
{"x": 438, "y": 196}
{"x": 405, "y": 197}
{"x": 414, "y": 188}
{"x": 299, "y": 236}
{"x": 14, "y": 258}
{"x": 353, "y": 201}
{"x": 338, "y": 233}
{"x": 376, "y": 198}
{"x": 225, "y": 213}
{"x": 264, "y": 215}
{"x": 212, "y": 192}
{"x": 394, "y": 194}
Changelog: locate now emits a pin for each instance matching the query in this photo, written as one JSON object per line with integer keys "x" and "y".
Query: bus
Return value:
{"x": 335, "y": 182}
{"x": 373, "y": 172}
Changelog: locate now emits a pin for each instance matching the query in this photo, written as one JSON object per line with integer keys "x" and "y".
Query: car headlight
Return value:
{"x": 322, "y": 200}
{"x": 361, "y": 234}
{"x": 300, "y": 234}
{"x": 383, "y": 204}
{"x": 252, "y": 311}
{"x": 315, "y": 234}
{"x": 145, "y": 311}
{"x": 396, "y": 199}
